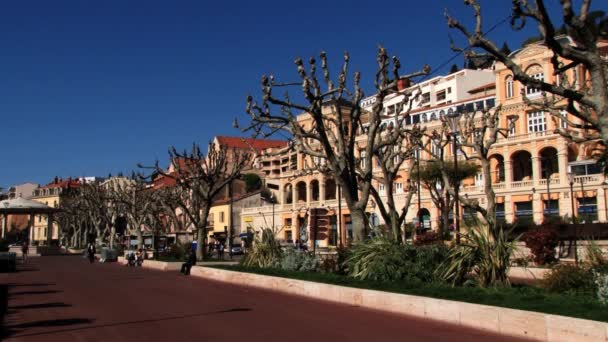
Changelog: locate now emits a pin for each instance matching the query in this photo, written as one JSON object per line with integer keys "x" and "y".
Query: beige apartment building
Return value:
{"x": 536, "y": 173}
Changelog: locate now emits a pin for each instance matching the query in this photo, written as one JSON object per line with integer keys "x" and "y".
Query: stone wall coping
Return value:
{"x": 513, "y": 322}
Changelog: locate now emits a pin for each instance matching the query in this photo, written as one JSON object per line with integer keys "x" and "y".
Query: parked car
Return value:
{"x": 237, "y": 250}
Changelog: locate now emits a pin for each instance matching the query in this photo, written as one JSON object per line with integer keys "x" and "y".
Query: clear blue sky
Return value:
{"x": 93, "y": 87}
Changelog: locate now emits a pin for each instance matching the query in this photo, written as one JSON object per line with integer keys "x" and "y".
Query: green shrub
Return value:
{"x": 380, "y": 258}
{"x": 176, "y": 251}
{"x": 266, "y": 251}
{"x": 569, "y": 278}
{"x": 296, "y": 260}
{"x": 596, "y": 258}
{"x": 601, "y": 282}
{"x": 482, "y": 253}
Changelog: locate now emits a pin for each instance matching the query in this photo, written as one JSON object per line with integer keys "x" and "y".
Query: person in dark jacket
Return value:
{"x": 191, "y": 261}
{"x": 91, "y": 252}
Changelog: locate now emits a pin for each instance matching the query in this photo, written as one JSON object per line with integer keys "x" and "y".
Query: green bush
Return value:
{"x": 566, "y": 278}
{"x": 601, "y": 282}
{"x": 266, "y": 251}
{"x": 482, "y": 253}
{"x": 295, "y": 260}
{"x": 380, "y": 258}
{"x": 177, "y": 251}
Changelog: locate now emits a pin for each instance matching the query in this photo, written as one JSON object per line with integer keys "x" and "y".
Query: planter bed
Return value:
{"x": 498, "y": 310}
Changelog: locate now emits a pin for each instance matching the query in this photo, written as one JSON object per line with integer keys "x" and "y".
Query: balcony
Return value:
{"x": 589, "y": 179}
{"x": 522, "y": 184}
{"x": 552, "y": 181}
{"x": 526, "y": 136}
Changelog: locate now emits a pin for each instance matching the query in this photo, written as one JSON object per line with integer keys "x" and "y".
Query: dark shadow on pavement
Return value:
{"x": 40, "y": 306}
{"x": 3, "y": 306}
{"x": 132, "y": 322}
{"x": 20, "y": 293}
{"x": 13, "y": 329}
{"x": 32, "y": 285}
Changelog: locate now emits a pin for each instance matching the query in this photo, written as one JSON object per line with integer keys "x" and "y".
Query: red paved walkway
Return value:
{"x": 67, "y": 299}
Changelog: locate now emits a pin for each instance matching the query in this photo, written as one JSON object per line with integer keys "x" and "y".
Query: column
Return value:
{"x": 49, "y": 229}
{"x": 537, "y": 207}
{"x": 535, "y": 169}
{"x": 508, "y": 174}
{"x": 509, "y": 212}
{"x": 4, "y": 225}
{"x": 308, "y": 193}
{"x": 562, "y": 165}
{"x": 322, "y": 190}
{"x": 31, "y": 228}
{"x": 601, "y": 205}
{"x": 294, "y": 196}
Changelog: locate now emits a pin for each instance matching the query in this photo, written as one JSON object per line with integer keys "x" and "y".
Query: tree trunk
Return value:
{"x": 490, "y": 196}
{"x": 359, "y": 223}
{"x": 140, "y": 237}
{"x": 200, "y": 243}
{"x": 112, "y": 235}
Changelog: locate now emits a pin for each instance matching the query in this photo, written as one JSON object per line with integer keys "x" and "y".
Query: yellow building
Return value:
{"x": 50, "y": 195}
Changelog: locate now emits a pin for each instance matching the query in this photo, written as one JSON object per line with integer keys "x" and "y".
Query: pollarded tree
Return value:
{"x": 431, "y": 178}
{"x": 586, "y": 101}
{"x": 328, "y": 123}
{"x": 200, "y": 179}
{"x": 135, "y": 200}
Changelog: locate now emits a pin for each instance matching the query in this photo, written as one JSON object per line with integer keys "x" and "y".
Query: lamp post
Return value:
{"x": 418, "y": 187}
{"x": 271, "y": 200}
{"x": 548, "y": 170}
{"x": 571, "y": 182}
{"x": 453, "y": 117}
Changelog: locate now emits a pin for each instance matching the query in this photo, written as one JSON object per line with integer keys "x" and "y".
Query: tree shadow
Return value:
{"x": 40, "y": 306}
{"x": 32, "y": 285}
{"x": 15, "y": 328}
{"x": 20, "y": 293}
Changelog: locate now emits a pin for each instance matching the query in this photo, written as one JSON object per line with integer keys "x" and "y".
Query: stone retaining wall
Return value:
{"x": 156, "y": 265}
{"x": 537, "y": 326}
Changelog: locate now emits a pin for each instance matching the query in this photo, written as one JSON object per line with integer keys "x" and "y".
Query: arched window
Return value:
{"x": 441, "y": 114}
{"x": 535, "y": 71}
{"x": 423, "y": 117}
{"x": 433, "y": 116}
{"x": 509, "y": 86}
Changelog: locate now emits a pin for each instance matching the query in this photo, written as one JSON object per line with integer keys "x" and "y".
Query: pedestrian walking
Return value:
{"x": 220, "y": 251}
{"x": 191, "y": 261}
{"x": 24, "y": 250}
{"x": 91, "y": 252}
{"x": 210, "y": 249}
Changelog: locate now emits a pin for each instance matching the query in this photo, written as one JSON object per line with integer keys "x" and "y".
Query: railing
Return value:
{"x": 588, "y": 179}
{"x": 552, "y": 181}
{"x": 522, "y": 184}
{"x": 527, "y": 136}
{"x": 500, "y": 185}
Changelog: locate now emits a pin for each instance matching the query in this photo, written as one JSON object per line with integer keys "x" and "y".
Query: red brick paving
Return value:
{"x": 68, "y": 299}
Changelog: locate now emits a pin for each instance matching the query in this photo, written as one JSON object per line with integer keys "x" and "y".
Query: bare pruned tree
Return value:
{"x": 136, "y": 200}
{"x": 328, "y": 122}
{"x": 585, "y": 100}
{"x": 475, "y": 133}
{"x": 201, "y": 178}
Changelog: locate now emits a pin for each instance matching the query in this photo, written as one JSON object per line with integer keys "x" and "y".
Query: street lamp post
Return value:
{"x": 453, "y": 118}
{"x": 419, "y": 188}
{"x": 548, "y": 170}
{"x": 571, "y": 182}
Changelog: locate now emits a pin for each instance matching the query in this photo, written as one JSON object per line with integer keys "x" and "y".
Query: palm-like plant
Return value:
{"x": 266, "y": 251}
{"x": 483, "y": 254}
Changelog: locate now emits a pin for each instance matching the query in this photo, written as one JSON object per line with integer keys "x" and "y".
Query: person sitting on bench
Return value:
{"x": 191, "y": 261}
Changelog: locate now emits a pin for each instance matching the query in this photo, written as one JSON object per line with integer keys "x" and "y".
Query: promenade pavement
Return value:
{"x": 64, "y": 298}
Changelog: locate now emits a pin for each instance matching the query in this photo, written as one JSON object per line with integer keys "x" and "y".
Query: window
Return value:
{"x": 397, "y": 157}
{"x": 436, "y": 148}
{"x": 423, "y": 117}
{"x": 441, "y": 95}
{"x": 509, "y": 87}
{"x": 536, "y": 122}
{"x": 449, "y": 90}
{"x": 415, "y": 119}
{"x": 530, "y": 90}
{"x": 382, "y": 189}
{"x": 363, "y": 155}
{"x": 551, "y": 207}
{"x": 433, "y": 116}
{"x": 564, "y": 123}
{"x": 470, "y": 107}
{"x": 587, "y": 209}
{"x": 426, "y": 98}
{"x": 398, "y": 188}
{"x": 221, "y": 216}
{"x": 479, "y": 105}
{"x": 490, "y": 103}
{"x": 586, "y": 169}
{"x": 479, "y": 179}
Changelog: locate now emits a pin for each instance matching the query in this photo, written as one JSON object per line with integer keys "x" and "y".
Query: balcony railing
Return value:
{"x": 552, "y": 181}
{"x": 500, "y": 185}
{"x": 527, "y": 136}
{"x": 522, "y": 184}
{"x": 588, "y": 179}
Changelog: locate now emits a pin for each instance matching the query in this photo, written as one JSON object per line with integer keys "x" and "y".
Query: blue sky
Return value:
{"x": 94, "y": 87}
